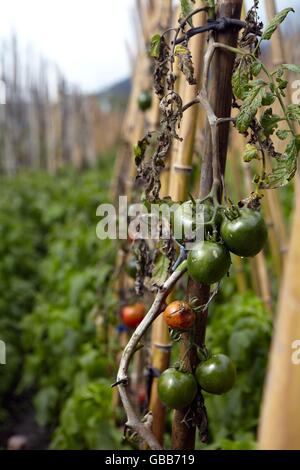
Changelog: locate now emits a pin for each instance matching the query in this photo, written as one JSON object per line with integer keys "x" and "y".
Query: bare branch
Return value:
{"x": 133, "y": 421}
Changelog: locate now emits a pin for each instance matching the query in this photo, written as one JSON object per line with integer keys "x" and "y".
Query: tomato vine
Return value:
{"x": 256, "y": 90}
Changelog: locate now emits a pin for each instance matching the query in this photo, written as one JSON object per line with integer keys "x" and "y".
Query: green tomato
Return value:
{"x": 131, "y": 268}
{"x": 184, "y": 220}
{"x": 246, "y": 235}
{"x": 176, "y": 389}
{"x": 208, "y": 262}
{"x": 145, "y": 100}
{"x": 216, "y": 375}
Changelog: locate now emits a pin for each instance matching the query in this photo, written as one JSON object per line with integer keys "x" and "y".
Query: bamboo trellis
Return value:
{"x": 46, "y": 122}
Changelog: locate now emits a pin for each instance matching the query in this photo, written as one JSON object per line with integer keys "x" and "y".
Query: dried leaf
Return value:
{"x": 186, "y": 63}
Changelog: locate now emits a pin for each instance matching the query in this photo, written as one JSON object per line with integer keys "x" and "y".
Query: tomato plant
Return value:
{"x": 179, "y": 316}
{"x": 132, "y": 315}
{"x": 216, "y": 375}
{"x": 246, "y": 234}
{"x": 176, "y": 389}
{"x": 239, "y": 229}
{"x": 208, "y": 262}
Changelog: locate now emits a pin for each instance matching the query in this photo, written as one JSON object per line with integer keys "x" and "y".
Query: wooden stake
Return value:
{"x": 183, "y": 437}
{"x": 280, "y": 416}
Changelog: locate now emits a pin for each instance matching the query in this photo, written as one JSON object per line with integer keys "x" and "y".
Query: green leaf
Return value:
{"x": 282, "y": 134}
{"x": 256, "y": 68}
{"x": 252, "y": 103}
{"x": 250, "y": 153}
{"x": 186, "y": 9}
{"x": 269, "y": 122}
{"x": 268, "y": 99}
{"x": 282, "y": 84}
{"x": 291, "y": 68}
{"x": 161, "y": 270}
{"x": 211, "y": 5}
{"x": 276, "y": 21}
{"x": 286, "y": 167}
{"x": 293, "y": 112}
{"x": 155, "y": 46}
{"x": 240, "y": 82}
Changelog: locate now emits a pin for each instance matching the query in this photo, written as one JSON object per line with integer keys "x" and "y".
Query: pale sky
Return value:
{"x": 86, "y": 39}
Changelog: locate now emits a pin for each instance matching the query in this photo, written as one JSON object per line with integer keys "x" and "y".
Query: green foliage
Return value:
{"x": 253, "y": 100}
{"x": 186, "y": 9}
{"x": 254, "y": 95}
{"x": 286, "y": 166}
{"x": 56, "y": 291}
{"x": 240, "y": 81}
{"x": 240, "y": 328}
{"x": 250, "y": 153}
{"x": 86, "y": 420}
{"x": 275, "y": 22}
{"x": 155, "y": 46}
{"x": 269, "y": 122}
{"x": 161, "y": 270}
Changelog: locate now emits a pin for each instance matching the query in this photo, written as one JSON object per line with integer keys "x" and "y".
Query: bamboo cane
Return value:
{"x": 235, "y": 168}
{"x": 278, "y": 57}
{"x": 220, "y": 97}
{"x": 160, "y": 339}
{"x": 156, "y": 16}
{"x": 258, "y": 264}
{"x": 279, "y": 423}
{"x": 280, "y": 414}
{"x": 133, "y": 130}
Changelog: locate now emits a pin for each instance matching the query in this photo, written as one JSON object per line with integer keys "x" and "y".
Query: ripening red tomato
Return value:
{"x": 179, "y": 316}
{"x": 132, "y": 315}
{"x": 142, "y": 396}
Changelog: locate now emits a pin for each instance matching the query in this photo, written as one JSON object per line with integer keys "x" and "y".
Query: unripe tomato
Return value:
{"x": 216, "y": 375}
{"x": 208, "y": 262}
{"x": 247, "y": 234}
{"x": 132, "y": 315}
{"x": 179, "y": 316}
{"x": 176, "y": 389}
{"x": 145, "y": 100}
{"x": 131, "y": 268}
{"x": 185, "y": 223}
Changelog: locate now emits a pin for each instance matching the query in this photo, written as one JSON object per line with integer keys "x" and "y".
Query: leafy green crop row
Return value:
{"x": 55, "y": 287}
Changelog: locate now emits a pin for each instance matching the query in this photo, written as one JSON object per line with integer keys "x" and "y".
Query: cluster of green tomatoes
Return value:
{"x": 240, "y": 230}
{"x": 177, "y": 389}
